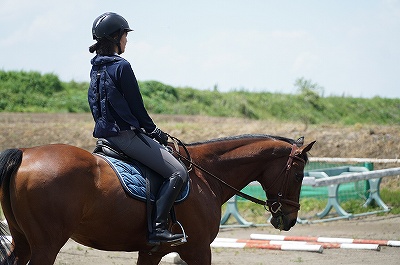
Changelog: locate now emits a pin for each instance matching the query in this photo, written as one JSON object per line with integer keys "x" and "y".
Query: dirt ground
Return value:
{"x": 358, "y": 140}
{"x": 371, "y": 227}
{"x": 370, "y": 141}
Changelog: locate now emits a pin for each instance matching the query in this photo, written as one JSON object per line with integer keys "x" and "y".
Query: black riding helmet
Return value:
{"x": 107, "y": 24}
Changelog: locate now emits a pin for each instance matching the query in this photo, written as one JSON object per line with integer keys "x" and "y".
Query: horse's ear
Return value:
{"x": 300, "y": 141}
{"x": 308, "y": 147}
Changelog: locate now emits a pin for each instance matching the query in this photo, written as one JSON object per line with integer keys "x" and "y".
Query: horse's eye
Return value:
{"x": 299, "y": 176}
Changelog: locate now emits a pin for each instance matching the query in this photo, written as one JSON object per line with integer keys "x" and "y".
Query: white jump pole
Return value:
{"x": 301, "y": 244}
{"x": 391, "y": 243}
{"x": 237, "y": 243}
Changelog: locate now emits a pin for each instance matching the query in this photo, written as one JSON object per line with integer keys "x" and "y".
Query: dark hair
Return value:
{"x": 104, "y": 46}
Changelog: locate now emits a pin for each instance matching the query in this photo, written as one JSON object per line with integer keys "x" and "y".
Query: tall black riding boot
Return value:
{"x": 166, "y": 198}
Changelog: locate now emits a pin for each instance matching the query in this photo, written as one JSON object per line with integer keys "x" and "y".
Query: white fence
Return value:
{"x": 352, "y": 177}
{"x": 354, "y": 160}
{"x": 319, "y": 178}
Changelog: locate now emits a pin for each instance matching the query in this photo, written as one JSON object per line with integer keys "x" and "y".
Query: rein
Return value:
{"x": 189, "y": 159}
{"x": 269, "y": 203}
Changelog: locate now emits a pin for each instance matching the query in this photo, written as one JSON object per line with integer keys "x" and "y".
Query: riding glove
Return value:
{"x": 160, "y": 136}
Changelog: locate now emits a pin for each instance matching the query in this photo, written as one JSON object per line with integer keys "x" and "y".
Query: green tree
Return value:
{"x": 310, "y": 93}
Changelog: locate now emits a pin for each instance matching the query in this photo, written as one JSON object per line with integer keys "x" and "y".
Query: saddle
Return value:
{"x": 152, "y": 178}
{"x": 105, "y": 147}
{"x": 149, "y": 181}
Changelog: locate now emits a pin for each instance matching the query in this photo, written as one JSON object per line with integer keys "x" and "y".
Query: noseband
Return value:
{"x": 275, "y": 205}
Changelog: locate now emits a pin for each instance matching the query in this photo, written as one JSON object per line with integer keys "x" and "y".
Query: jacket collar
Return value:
{"x": 103, "y": 59}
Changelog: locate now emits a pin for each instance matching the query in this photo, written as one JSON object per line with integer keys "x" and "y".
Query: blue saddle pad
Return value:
{"x": 133, "y": 181}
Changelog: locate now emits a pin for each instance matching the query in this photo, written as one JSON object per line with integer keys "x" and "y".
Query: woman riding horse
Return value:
{"x": 55, "y": 192}
{"x": 119, "y": 114}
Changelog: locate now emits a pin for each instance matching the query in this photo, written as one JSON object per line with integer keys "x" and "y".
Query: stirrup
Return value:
{"x": 172, "y": 243}
{"x": 181, "y": 240}
{"x": 156, "y": 245}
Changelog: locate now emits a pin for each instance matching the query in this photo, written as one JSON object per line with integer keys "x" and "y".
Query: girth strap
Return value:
{"x": 148, "y": 207}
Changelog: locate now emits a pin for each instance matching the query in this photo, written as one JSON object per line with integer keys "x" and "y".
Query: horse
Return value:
{"x": 55, "y": 192}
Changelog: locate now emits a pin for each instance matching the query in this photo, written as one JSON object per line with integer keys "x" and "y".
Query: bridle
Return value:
{"x": 275, "y": 205}
{"x": 272, "y": 205}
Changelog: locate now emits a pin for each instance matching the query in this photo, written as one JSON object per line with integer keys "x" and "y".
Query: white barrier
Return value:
{"x": 353, "y": 177}
{"x": 353, "y": 160}
{"x": 340, "y": 240}
{"x": 273, "y": 245}
{"x": 373, "y": 177}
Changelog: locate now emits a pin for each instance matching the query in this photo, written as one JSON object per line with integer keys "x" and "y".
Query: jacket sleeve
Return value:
{"x": 130, "y": 90}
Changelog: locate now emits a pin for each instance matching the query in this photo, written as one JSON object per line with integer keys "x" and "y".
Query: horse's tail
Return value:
{"x": 10, "y": 160}
{"x": 7, "y": 256}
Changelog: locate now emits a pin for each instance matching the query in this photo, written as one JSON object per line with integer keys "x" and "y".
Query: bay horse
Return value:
{"x": 55, "y": 192}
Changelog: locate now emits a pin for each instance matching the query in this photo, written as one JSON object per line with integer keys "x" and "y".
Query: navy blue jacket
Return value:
{"x": 114, "y": 97}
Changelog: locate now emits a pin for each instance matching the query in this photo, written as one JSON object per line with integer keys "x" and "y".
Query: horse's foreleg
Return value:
{"x": 199, "y": 254}
{"x": 148, "y": 258}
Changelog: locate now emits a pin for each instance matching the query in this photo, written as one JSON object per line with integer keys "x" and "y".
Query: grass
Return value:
{"x": 392, "y": 199}
{"x": 35, "y": 92}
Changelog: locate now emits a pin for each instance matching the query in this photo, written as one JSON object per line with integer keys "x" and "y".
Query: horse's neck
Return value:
{"x": 235, "y": 162}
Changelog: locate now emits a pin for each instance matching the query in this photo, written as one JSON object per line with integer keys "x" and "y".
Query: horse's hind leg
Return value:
{"x": 42, "y": 254}
{"x": 39, "y": 248}
{"x": 21, "y": 249}
{"x": 45, "y": 247}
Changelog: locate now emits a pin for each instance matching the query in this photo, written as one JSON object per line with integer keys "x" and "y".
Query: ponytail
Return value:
{"x": 94, "y": 47}
{"x": 103, "y": 46}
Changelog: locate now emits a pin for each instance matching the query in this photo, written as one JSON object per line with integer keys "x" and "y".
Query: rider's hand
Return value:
{"x": 160, "y": 136}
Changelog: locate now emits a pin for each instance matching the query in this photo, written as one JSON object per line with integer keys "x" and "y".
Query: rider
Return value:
{"x": 121, "y": 118}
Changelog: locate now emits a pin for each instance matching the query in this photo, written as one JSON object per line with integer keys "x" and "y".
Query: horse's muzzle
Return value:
{"x": 283, "y": 222}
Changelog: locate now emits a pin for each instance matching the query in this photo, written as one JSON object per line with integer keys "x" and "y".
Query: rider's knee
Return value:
{"x": 183, "y": 174}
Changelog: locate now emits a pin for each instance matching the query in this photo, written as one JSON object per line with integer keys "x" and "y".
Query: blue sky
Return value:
{"x": 349, "y": 48}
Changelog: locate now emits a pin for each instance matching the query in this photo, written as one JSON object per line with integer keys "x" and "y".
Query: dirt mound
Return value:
{"x": 366, "y": 141}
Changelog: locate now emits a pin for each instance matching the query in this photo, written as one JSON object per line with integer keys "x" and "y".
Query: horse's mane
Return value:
{"x": 245, "y": 136}
{"x": 251, "y": 136}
